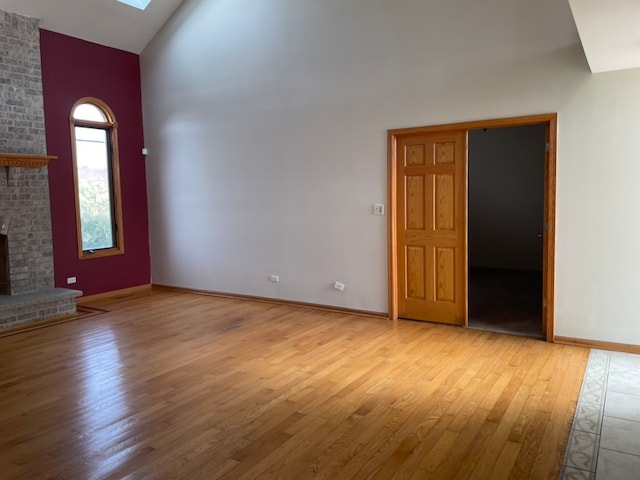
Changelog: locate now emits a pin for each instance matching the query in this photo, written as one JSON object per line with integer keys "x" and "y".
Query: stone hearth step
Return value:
{"x": 36, "y": 306}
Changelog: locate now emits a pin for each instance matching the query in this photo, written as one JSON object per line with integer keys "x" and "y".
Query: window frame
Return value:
{"x": 111, "y": 128}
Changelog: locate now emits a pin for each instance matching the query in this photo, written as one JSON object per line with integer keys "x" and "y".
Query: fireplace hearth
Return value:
{"x": 26, "y": 247}
{"x": 27, "y": 292}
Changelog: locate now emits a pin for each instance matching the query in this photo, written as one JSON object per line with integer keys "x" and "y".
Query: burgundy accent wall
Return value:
{"x": 72, "y": 69}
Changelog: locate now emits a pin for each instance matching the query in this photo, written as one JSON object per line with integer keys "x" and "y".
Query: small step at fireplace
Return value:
{"x": 16, "y": 310}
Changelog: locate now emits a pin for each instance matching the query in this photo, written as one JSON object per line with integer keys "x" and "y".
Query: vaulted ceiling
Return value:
{"x": 609, "y": 30}
{"x": 610, "y": 33}
{"x": 107, "y": 22}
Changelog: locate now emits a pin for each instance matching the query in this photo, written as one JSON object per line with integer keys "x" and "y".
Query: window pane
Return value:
{"x": 140, "y": 4}
{"x": 86, "y": 111}
{"x": 94, "y": 188}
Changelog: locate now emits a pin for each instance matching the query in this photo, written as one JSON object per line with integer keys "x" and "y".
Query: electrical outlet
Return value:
{"x": 339, "y": 286}
{"x": 274, "y": 278}
{"x": 71, "y": 280}
{"x": 378, "y": 208}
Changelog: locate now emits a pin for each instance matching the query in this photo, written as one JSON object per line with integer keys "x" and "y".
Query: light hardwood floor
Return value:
{"x": 175, "y": 385}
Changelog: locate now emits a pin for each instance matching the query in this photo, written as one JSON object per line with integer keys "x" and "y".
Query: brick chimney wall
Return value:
{"x": 24, "y": 192}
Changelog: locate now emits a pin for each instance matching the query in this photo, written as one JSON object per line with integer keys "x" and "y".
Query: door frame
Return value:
{"x": 550, "y": 121}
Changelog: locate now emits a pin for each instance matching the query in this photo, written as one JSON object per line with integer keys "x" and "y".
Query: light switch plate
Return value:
{"x": 378, "y": 208}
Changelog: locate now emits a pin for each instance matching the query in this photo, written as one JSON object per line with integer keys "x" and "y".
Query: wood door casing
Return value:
{"x": 431, "y": 248}
{"x": 394, "y": 136}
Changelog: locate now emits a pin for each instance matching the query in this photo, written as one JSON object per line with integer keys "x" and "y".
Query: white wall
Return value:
{"x": 506, "y": 197}
{"x": 266, "y": 127}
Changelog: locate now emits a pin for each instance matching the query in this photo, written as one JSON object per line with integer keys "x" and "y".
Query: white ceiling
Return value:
{"x": 107, "y": 22}
{"x": 610, "y": 32}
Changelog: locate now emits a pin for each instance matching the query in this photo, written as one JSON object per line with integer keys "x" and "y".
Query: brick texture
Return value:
{"x": 53, "y": 304}
{"x": 24, "y": 192}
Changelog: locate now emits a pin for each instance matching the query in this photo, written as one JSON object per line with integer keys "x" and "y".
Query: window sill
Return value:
{"x": 105, "y": 252}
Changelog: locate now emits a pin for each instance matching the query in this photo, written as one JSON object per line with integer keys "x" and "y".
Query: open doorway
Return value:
{"x": 506, "y": 194}
{"x": 428, "y": 202}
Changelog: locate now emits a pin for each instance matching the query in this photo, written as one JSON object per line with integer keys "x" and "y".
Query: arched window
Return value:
{"x": 94, "y": 137}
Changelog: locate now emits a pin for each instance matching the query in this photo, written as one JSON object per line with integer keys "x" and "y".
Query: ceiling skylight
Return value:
{"x": 141, "y": 4}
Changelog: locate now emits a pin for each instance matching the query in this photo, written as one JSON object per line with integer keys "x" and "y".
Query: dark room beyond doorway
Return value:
{"x": 506, "y": 215}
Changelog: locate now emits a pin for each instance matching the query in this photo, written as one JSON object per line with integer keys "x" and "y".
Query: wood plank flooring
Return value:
{"x": 174, "y": 385}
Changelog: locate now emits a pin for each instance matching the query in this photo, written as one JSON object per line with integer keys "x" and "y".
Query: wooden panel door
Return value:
{"x": 432, "y": 227}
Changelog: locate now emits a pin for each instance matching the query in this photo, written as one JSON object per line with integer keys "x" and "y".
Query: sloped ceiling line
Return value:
{"x": 106, "y": 22}
{"x": 608, "y": 30}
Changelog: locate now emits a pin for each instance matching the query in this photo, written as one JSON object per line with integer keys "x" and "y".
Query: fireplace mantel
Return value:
{"x": 24, "y": 161}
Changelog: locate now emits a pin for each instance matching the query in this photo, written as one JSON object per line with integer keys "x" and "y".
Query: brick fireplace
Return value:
{"x": 26, "y": 250}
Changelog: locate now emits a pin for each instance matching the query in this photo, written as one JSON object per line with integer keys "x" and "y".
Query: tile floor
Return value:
{"x": 604, "y": 443}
